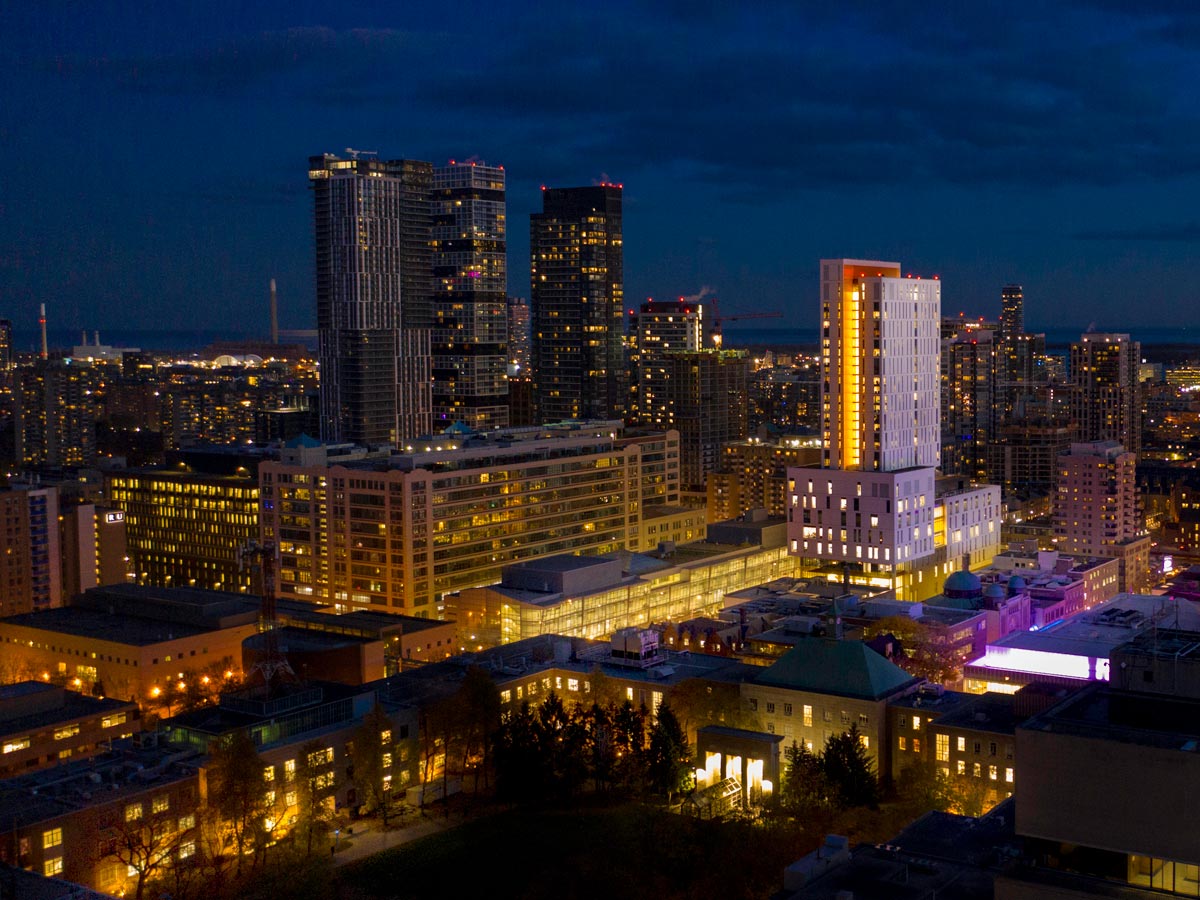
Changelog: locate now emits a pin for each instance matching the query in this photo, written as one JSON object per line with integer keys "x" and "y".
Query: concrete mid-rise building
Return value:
{"x": 398, "y": 531}
{"x": 1097, "y": 511}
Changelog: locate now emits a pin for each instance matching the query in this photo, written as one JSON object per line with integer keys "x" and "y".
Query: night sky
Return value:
{"x": 154, "y": 159}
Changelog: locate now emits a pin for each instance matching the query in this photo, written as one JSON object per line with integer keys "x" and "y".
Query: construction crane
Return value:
{"x": 355, "y": 154}
{"x": 719, "y": 319}
{"x": 272, "y": 664}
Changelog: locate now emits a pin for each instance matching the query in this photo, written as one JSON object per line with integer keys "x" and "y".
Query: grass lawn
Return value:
{"x": 628, "y": 852}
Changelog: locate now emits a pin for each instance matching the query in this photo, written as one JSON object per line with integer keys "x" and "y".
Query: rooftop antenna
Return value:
{"x": 355, "y": 154}
{"x": 42, "y": 323}
{"x": 253, "y": 556}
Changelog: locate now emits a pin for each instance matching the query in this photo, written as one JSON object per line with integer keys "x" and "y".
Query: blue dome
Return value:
{"x": 1016, "y": 583}
{"x": 996, "y": 590}
{"x": 962, "y": 584}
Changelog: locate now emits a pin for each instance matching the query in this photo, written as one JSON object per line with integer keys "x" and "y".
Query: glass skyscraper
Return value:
{"x": 577, "y": 302}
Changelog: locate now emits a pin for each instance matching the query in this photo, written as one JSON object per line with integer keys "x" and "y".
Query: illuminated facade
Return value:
{"x": 55, "y": 413}
{"x": 94, "y": 550}
{"x": 752, "y": 474}
{"x": 577, "y": 303}
{"x": 969, "y": 393}
{"x": 470, "y": 315}
{"x": 879, "y": 359}
{"x": 183, "y": 529}
{"x": 531, "y": 603}
{"x": 450, "y": 511}
{"x": 876, "y": 503}
{"x": 1106, "y": 400}
{"x": 374, "y": 294}
{"x": 1097, "y": 511}
{"x": 659, "y": 328}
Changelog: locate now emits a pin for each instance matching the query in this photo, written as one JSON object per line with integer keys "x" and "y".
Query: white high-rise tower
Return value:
{"x": 876, "y": 501}
{"x": 880, "y": 348}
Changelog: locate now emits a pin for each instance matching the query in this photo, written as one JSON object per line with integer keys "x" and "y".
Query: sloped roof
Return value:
{"x": 302, "y": 441}
{"x": 847, "y": 668}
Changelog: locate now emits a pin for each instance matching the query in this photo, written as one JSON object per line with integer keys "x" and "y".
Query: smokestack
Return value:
{"x": 274, "y": 315}
{"x": 97, "y": 334}
{"x": 42, "y": 323}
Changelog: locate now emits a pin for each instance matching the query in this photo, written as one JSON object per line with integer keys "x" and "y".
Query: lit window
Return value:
{"x": 1008, "y": 775}
{"x": 993, "y": 773}
{"x": 52, "y": 866}
{"x": 961, "y": 745}
{"x": 942, "y": 747}
{"x": 977, "y": 770}
{"x": 188, "y": 821}
{"x": 916, "y": 723}
{"x": 161, "y": 804}
{"x": 903, "y": 743}
{"x": 961, "y": 767}
{"x": 186, "y": 849}
{"x": 133, "y": 812}
{"x": 15, "y": 745}
{"x": 51, "y": 838}
{"x": 808, "y": 718}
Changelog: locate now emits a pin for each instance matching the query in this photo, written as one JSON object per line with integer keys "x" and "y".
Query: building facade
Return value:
{"x": 1097, "y": 511}
{"x": 449, "y": 513}
{"x": 184, "y": 528}
{"x": 577, "y": 303}
{"x": 470, "y": 310}
{"x": 374, "y": 295}
{"x": 1106, "y": 397}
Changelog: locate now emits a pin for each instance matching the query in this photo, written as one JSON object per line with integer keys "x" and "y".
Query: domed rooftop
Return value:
{"x": 1017, "y": 583}
{"x": 995, "y": 589}
{"x": 962, "y": 585}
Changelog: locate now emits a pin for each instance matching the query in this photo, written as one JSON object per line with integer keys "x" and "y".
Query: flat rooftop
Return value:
{"x": 118, "y": 629}
{"x": 75, "y": 706}
{"x": 1099, "y": 711}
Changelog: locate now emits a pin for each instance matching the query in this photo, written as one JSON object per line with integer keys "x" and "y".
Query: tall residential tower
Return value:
{"x": 470, "y": 363}
{"x": 877, "y": 505}
{"x": 374, "y": 294}
{"x": 577, "y": 301}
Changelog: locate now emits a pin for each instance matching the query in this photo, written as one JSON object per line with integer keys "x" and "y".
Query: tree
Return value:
{"x": 144, "y": 841}
{"x": 669, "y": 757}
{"x": 371, "y": 761}
{"x": 519, "y": 769}
{"x": 922, "y": 786}
{"x": 849, "y": 770}
{"x": 602, "y": 745}
{"x": 479, "y": 700}
{"x": 562, "y": 745}
{"x": 237, "y": 791}
{"x": 805, "y": 787}
{"x": 922, "y": 654}
{"x": 629, "y": 738}
{"x": 314, "y": 787}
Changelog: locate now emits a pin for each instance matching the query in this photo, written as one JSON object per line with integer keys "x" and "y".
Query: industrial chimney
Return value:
{"x": 274, "y": 315}
{"x": 42, "y": 323}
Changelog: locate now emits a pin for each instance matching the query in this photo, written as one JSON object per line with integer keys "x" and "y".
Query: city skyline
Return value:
{"x": 1074, "y": 186}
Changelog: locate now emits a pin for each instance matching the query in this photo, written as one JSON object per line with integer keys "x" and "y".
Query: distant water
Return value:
{"x": 784, "y": 337}
{"x": 27, "y": 339}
